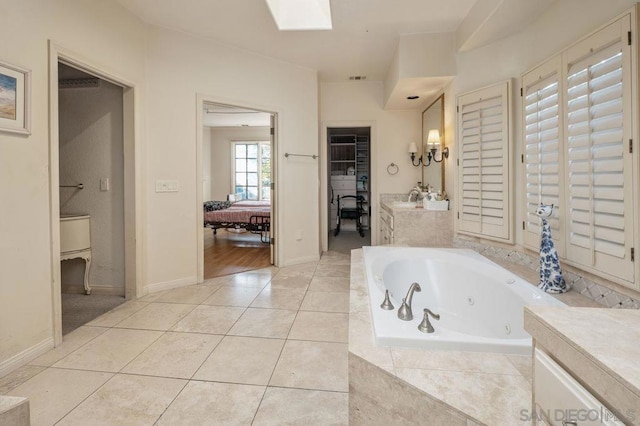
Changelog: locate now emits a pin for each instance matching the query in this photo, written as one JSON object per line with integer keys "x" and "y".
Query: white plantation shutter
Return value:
{"x": 483, "y": 130}
{"x": 542, "y": 151}
{"x": 597, "y": 158}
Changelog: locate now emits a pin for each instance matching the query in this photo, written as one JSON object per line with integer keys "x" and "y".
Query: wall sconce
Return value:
{"x": 433, "y": 142}
{"x": 413, "y": 148}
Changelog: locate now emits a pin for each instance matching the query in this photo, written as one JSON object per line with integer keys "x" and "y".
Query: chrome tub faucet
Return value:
{"x": 404, "y": 312}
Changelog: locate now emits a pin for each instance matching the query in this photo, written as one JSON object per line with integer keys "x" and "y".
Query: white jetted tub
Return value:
{"x": 481, "y": 305}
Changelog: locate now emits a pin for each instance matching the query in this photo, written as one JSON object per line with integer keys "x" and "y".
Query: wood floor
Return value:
{"x": 230, "y": 253}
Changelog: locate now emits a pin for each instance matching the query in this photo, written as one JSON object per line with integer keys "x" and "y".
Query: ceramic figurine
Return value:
{"x": 551, "y": 279}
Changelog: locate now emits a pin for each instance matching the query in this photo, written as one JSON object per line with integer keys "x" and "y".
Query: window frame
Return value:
{"x": 260, "y": 187}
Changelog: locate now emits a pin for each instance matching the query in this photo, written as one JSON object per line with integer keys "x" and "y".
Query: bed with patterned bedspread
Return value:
{"x": 254, "y": 216}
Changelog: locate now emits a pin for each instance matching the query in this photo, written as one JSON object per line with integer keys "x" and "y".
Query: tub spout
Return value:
{"x": 404, "y": 312}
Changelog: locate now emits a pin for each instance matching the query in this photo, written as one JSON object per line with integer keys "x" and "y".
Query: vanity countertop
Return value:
{"x": 598, "y": 345}
{"x": 388, "y": 205}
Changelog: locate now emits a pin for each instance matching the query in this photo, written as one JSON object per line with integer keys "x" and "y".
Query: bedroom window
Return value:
{"x": 252, "y": 170}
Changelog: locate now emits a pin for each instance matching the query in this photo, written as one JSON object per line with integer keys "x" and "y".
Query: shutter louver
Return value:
{"x": 484, "y": 162}
{"x": 599, "y": 168}
{"x": 542, "y": 142}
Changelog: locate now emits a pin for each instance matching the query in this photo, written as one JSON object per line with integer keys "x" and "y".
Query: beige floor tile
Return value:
{"x": 55, "y": 392}
{"x": 300, "y": 269}
{"x": 326, "y": 301}
{"x": 218, "y": 281}
{"x": 338, "y": 284}
{"x": 70, "y": 343}
{"x": 300, "y": 282}
{"x": 126, "y": 400}
{"x": 255, "y": 322}
{"x": 278, "y": 298}
{"x": 156, "y": 316}
{"x": 249, "y": 279}
{"x": 233, "y": 296}
{"x": 193, "y": 294}
{"x": 331, "y": 270}
{"x": 321, "y": 327}
{"x": 209, "y": 319}
{"x": 176, "y": 355}
{"x": 118, "y": 314}
{"x": 18, "y": 377}
{"x": 312, "y": 365}
{"x": 247, "y": 360}
{"x": 302, "y": 407}
{"x": 205, "y": 403}
{"x": 110, "y": 351}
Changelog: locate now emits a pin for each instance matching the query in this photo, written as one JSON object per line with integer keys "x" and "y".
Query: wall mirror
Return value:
{"x": 433, "y": 145}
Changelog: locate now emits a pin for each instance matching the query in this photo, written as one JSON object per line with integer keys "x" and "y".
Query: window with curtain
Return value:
{"x": 252, "y": 170}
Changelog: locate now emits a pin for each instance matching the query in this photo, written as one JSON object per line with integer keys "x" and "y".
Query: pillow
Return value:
{"x": 210, "y": 206}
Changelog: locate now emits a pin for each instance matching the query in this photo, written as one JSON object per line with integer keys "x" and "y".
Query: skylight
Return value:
{"x": 296, "y": 15}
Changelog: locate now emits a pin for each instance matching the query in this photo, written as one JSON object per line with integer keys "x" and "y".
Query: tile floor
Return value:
{"x": 267, "y": 347}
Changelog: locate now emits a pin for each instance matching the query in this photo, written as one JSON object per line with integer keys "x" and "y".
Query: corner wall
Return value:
{"x": 102, "y": 34}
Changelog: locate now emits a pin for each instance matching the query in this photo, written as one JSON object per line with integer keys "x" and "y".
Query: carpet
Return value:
{"x": 79, "y": 309}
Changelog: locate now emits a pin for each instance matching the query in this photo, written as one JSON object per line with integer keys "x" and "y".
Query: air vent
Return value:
{"x": 357, "y": 77}
{"x": 79, "y": 83}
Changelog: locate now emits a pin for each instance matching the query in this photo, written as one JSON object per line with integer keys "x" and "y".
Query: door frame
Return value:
{"x": 324, "y": 178}
{"x": 133, "y": 177}
{"x": 276, "y": 114}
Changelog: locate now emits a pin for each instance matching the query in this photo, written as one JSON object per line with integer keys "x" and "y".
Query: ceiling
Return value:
{"x": 363, "y": 40}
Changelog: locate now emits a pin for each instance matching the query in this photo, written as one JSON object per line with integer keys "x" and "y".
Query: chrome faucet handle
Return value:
{"x": 425, "y": 326}
{"x": 387, "y": 305}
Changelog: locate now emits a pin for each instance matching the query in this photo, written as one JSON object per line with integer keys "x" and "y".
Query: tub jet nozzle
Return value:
{"x": 387, "y": 305}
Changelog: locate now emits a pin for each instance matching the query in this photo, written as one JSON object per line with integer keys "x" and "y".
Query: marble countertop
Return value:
{"x": 598, "y": 345}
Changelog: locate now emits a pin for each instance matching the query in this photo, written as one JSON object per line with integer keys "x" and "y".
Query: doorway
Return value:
{"x": 129, "y": 211}
{"x": 349, "y": 187}
{"x": 91, "y": 175}
{"x": 238, "y": 151}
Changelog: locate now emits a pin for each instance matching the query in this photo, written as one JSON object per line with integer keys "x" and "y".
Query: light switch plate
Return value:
{"x": 167, "y": 186}
{"x": 104, "y": 184}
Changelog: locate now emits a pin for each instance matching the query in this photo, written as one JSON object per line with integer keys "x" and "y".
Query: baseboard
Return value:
{"x": 24, "y": 357}
{"x": 299, "y": 260}
{"x": 168, "y": 285}
{"x": 96, "y": 289}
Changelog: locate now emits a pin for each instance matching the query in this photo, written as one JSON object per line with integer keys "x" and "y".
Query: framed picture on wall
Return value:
{"x": 15, "y": 86}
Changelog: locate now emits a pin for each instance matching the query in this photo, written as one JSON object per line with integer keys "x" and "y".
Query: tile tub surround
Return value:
{"x": 526, "y": 265}
{"x": 599, "y": 347}
{"x": 434, "y": 387}
{"x": 14, "y": 411}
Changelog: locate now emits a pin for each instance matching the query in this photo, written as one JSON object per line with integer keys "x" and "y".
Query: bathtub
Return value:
{"x": 481, "y": 305}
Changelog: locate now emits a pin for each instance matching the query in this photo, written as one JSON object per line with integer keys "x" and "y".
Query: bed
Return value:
{"x": 254, "y": 216}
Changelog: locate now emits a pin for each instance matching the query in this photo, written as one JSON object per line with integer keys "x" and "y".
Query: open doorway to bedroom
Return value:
{"x": 237, "y": 194}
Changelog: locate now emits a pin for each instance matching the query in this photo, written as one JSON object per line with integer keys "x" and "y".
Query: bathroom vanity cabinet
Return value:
{"x": 414, "y": 226}
{"x": 585, "y": 365}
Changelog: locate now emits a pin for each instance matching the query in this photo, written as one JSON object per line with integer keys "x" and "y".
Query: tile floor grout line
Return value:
{"x": 87, "y": 397}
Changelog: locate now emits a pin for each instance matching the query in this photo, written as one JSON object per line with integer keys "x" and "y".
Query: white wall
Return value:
{"x": 104, "y": 34}
{"x": 178, "y": 68}
{"x": 564, "y": 22}
{"x": 221, "y": 154}
{"x": 91, "y": 148}
{"x": 396, "y": 129}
